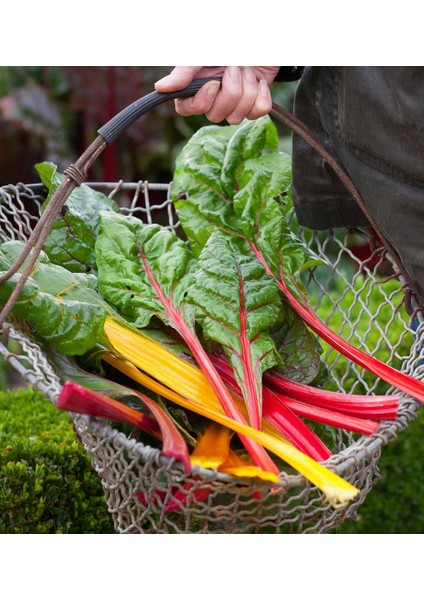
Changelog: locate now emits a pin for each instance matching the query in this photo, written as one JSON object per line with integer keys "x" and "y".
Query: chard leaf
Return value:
{"x": 72, "y": 238}
{"x": 287, "y": 275}
{"x": 300, "y": 359}
{"x": 198, "y": 191}
{"x": 247, "y": 197}
{"x": 249, "y": 142}
{"x": 210, "y": 188}
{"x": 144, "y": 270}
{"x": 237, "y": 304}
{"x": 62, "y": 307}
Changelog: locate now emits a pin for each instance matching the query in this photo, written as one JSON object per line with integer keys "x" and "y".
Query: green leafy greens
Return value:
{"x": 62, "y": 307}
{"x": 72, "y": 239}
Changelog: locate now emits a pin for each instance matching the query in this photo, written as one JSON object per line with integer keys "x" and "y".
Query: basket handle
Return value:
{"x": 76, "y": 174}
{"x": 120, "y": 122}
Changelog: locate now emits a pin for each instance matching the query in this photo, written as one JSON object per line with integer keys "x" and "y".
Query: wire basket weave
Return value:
{"x": 140, "y": 483}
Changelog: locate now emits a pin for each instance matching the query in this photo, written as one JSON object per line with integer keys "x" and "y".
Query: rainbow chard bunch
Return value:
{"x": 247, "y": 202}
{"x": 213, "y": 325}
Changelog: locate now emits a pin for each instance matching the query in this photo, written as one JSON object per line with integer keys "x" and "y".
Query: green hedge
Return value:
{"x": 47, "y": 484}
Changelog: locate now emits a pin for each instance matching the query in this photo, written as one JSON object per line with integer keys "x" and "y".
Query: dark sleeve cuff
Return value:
{"x": 289, "y": 73}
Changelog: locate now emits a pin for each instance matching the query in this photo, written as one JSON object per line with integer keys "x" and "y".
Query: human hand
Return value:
{"x": 243, "y": 93}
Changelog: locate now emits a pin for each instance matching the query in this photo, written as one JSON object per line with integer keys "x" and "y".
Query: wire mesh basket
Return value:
{"x": 140, "y": 484}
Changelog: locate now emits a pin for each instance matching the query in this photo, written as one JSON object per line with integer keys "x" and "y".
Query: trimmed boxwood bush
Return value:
{"x": 47, "y": 484}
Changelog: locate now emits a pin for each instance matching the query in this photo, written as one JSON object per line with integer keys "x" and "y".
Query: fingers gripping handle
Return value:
{"x": 119, "y": 123}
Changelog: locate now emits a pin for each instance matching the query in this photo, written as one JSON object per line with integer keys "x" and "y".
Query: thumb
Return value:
{"x": 179, "y": 78}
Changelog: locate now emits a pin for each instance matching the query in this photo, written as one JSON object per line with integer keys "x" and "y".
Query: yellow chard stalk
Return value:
{"x": 186, "y": 386}
{"x": 239, "y": 467}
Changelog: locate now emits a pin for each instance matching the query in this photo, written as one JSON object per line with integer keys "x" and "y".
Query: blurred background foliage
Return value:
{"x": 53, "y": 113}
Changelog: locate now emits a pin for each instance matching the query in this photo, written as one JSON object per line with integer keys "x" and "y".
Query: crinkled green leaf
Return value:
{"x": 237, "y": 304}
{"x": 251, "y": 141}
{"x": 255, "y": 182}
{"x": 130, "y": 256}
{"x": 198, "y": 191}
{"x": 247, "y": 197}
{"x": 300, "y": 359}
{"x": 62, "y": 307}
{"x": 72, "y": 238}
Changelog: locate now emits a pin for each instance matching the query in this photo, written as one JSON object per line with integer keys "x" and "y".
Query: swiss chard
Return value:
{"x": 260, "y": 219}
{"x": 230, "y": 190}
{"x": 337, "y": 491}
{"x": 62, "y": 307}
{"x": 243, "y": 194}
{"x": 237, "y": 305}
{"x": 145, "y": 271}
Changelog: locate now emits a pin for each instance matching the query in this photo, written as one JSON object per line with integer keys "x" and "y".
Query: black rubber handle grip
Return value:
{"x": 120, "y": 122}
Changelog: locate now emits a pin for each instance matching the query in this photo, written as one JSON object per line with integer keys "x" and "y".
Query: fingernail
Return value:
{"x": 212, "y": 89}
{"x": 263, "y": 88}
{"x": 234, "y": 73}
{"x": 163, "y": 80}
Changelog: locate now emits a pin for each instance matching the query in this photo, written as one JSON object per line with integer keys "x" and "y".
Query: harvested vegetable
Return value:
{"x": 337, "y": 491}
{"x": 220, "y": 327}
{"x": 237, "y": 305}
{"x": 62, "y": 307}
{"x": 145, "y": 271}
{"x": 253, "y": 210}
{"x": 72, "y": 239}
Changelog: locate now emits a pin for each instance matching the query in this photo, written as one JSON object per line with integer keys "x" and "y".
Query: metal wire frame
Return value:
{"x": 139, "y": 482}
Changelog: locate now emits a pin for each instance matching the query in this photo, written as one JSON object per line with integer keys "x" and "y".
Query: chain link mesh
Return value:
{"x": 148, "y": 493}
